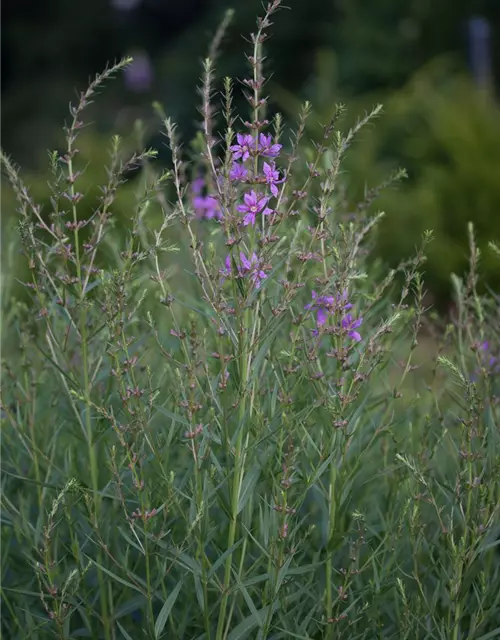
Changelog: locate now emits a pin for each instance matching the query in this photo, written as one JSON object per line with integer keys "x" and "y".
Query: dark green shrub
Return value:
{"x": 446, "y": 134}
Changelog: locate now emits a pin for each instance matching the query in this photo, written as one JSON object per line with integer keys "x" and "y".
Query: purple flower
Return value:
{"x": 139, "y": 74}
{"x": 326, "y": 305}
{"x": 212, "y": 208}
{"x": 272, "y": 177}
{"x": 249, "y": 266}
{"x": 197, "y": 186}
{"x": 204, "y": 206}
{"x": 350, "y": 325}
{"x": 485, "y": 347}
{"x": 266, "y": 146}
{"x": 342, "y": 302}
{"x": 238, "y": 172}
{"x": 323, "y": 306}
{"x": 252, "y": 267}
{"x": 244, "y": 147}
{"x": 226, "y": 269}
{"x": 488, "y": 361}
{"x": 253, "y": 205}
{"x": 207, "y": 207}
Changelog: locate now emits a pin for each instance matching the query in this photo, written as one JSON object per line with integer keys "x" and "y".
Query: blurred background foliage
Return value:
{"x": 437, "y": 81}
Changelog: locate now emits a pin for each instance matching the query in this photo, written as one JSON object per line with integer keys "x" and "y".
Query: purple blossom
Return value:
{"x": 272, "y": 177}
{"x": 323, "y": 305}
{"x": 238, "y": 172}
{"x": 249, "y": 266}
{"x": 488, "y": 356}
{"x": 252, "y": 267}
{"x": 350, "y": 325}
{"x": 266, "y": 146}
{"x": 226, "y": 269}
{"x": 488, "y": 361}
{"x": 244, "y": 147}
{"x": 253, "y": 205}
{"x": 139, "y": 74}
{"x": 197, "y": 186}
{"x": 204, "y": 206}
{"x": 342, "y": 303}
{"x": 207, "y": 207}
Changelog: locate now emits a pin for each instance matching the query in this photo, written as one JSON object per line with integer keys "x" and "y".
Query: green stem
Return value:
{"x": 94, "y": 473}
{"x": 201, "y": 551}
{"x": 329, "y": 554}
{"x": 464, "y": 541}
{"x": 238, "y": 467}
{"x": 94, "y": 469}
{"x": 31, "y": 422}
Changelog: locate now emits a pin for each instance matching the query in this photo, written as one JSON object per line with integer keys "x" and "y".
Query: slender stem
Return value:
{"x": 464, "y": 540}
{"x": 201, "y": 527}
{"x": 329, "y": 554}
{"x": 150, "y": 613}
{"x": 238, "y": 468}
{"x": 31, "y": 422}
{"x": 94, "y": 471}
{"x": 92, "y": 454}
{"x": 201, "y": 550}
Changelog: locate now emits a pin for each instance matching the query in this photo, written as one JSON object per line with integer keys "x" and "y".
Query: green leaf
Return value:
{"x": 188, "y": 562}
{"x": 270, "y": 333}
{"x": 137, "y": 602}
{"x": 290, "y": 634}
{"x": 172, "y": 416}
{"x": 492, "y": 634}
{"x": 81, "y": 633}
{"x": 125, "y": 634}
{"x": 222, "y": 558}
{"x": 306, "y": 568}
{"x": 250, "y": 603}
{"x": 244, "y": 628}
{"x": 282, "y": 573}
{"x": 249, "y": 482}
{"x": 162, "y": 618}
{"x": 130, "y": 541}
{"x": 117, "y": 578}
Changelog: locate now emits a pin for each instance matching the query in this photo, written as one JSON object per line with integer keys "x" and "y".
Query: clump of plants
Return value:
{"x": 214, "y": 428}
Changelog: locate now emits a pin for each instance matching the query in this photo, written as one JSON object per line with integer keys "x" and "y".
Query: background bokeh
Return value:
{"x": 434, "y": 64}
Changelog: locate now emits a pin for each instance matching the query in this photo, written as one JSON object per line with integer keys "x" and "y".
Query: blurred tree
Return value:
{"x": 447, "y": 134}
{"x": 365, "y": 50}
{"x": 445, "y": 131}
{"x": 381, "y": 43}
{"x": 49, "y": 48}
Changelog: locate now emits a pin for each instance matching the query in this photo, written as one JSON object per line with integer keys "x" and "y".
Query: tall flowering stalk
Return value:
{"x": 246, "y": 149}
{"x": 248, "y": 189}
{"x": 234, "y": 404}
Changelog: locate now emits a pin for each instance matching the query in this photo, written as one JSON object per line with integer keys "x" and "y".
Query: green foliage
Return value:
{"x": 95, "y": 153}
{"x": 212, "y": 450}
{"x": 447, "y": 135}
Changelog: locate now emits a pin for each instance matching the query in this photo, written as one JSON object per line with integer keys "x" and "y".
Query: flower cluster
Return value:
{"x": 330, "y": 305}
{"x": 248, "y": 147}
{"x": 253, "y": 204}
{"x": 272, "y": 177}
{"x": 349, "y": 324}
{"x": 490, "y": 361}
{"x": 251, "y": 267}
{"x": 205, "y": 206}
